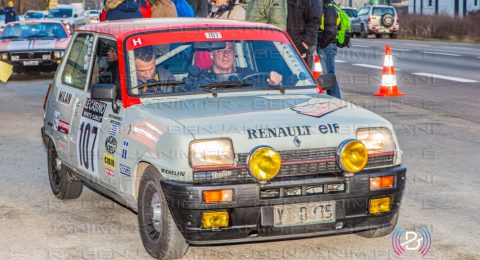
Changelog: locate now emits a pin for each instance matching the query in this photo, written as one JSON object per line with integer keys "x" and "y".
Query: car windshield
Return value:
{"x": 60, "y": 13}
{"x": 37, "y": 30}
{"x": 214, "y": 66}
{"x": 351, "y": 12}
{"x": 379, "y": 11}
{"x": 34, "y": 15}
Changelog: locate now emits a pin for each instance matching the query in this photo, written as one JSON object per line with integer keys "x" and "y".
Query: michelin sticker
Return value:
{"x": 87, "y": 136}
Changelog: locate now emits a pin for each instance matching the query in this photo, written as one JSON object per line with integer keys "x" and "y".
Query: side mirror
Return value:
{"x": 107, "y": 93}
{"x": 75, "y": 16}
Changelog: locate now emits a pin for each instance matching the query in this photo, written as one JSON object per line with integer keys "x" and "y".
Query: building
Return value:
{"x": 450, "y": 7}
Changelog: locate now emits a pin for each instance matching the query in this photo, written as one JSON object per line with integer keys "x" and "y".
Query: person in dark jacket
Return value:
{"x": 122, "y": 9}
{"x": 327, "y": 43}
{"x": 303, "y": 18}
{"x": 200, "y": 7}
{"x": 10, "y": 15}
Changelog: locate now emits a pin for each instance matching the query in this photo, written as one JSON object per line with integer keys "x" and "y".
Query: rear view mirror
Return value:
{"x": 209, "y": 46}
{"x": 107, "y": 93}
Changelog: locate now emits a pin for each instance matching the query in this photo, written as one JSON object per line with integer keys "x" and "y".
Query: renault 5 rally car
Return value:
{"x": 33, "y": 44}
{"x": 215, "y": 132}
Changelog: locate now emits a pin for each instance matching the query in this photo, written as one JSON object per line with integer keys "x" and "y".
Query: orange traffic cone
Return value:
{"x": 389, "y": 86}
{"x": 317, "y": 68}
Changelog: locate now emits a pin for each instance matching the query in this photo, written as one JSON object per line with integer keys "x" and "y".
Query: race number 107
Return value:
{"x": 86, "y": 145}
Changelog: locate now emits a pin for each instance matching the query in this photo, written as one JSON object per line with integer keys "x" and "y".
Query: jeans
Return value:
{"x": 327, "y": 59}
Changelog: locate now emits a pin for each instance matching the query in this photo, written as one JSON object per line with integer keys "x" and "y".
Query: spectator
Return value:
{"x": 303, "y": 20}
{"x": 122, "y": 9}
{"x": 200, "y": 7}
{"x": 268, "y": 11}
{"x": 183, "y": 8}
{"x": 10, "y": 15}
{"x": 145, "y": 9}
{"x": 228, "y": 9}
{"x": 327, "y": 43}
{"x": 164, "y": 8}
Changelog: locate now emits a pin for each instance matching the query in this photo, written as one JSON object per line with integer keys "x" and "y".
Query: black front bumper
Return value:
{"x": 251, "y": 217}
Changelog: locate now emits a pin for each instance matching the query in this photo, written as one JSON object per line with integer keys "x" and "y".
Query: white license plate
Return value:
{"x": 30, "y": 63}
{"x": 304, "y": 213}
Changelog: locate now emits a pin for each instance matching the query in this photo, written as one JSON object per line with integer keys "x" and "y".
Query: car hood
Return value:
{"x": 36, "y": 44}
{"x": 281, "y": 121}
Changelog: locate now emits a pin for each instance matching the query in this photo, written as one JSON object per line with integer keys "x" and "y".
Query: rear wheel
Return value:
{"x": 381, "y": 232}
{"x": 378, "y": 35}
{"x": 63, "y": 187}
{"x": 160, "y": 235}
{"x": 393, "y": 36}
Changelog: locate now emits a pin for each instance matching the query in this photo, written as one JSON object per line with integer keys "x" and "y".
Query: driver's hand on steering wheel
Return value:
{"x": 275, "y": 78}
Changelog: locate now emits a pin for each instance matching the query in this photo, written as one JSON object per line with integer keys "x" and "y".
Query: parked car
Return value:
{"x": 71, "y": 17}
{"x": 214, "y": 137}
{"x": 33, "y": 44}
{"x": 352, "y": 12}
{"x": 31, "y": 15}
{"x": 2, "y": 21}
{"x": 92, "y": 16}
{"x": 376, "y": 19}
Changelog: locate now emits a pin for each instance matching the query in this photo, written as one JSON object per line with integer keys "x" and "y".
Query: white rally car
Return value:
{"x": 215, "y": 132}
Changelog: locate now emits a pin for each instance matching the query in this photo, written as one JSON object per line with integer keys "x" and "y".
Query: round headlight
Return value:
{"x": 352, "y": 156}
{"x": 264, "y": 163}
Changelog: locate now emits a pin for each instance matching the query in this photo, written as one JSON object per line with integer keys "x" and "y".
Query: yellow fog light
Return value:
{"x": 352, "y": 156}
{"x": 214, "y": 219}
{"x": 264, "y": 163}
{"x": 379, "y": 205}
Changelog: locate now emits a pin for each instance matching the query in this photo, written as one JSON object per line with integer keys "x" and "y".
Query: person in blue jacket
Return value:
{"x": 10, "y": 15}
{"x": 184, "y": 9}
{"x": 122, "y": 9}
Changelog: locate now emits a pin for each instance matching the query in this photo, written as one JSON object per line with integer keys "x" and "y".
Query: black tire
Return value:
{"x": 62, "y": 186}
{"x": 393, "y": 36}
{"x": 161, "y": 238}
{"x": 363, "y": 32}
{"x": 381, "y": 232}
{"x": 378, "y": 35}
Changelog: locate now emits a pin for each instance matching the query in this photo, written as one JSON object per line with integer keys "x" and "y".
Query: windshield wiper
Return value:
{"x": 226, "y": 84}
{"x": 278, "y": 87}
{"x": 38, "y": 36}
{"x": 10, "y": 37}
{"x": 158, "y": 84}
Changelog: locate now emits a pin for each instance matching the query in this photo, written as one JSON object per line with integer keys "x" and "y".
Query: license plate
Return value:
{"x": 30, "y": 63}
{"x": 304, "y": 213}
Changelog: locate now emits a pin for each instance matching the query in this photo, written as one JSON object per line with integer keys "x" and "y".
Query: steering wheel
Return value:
{"x": 259, "y": 75}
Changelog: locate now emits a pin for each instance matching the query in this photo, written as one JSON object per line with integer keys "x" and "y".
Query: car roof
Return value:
{"x": 35, "y": 22}
{"x": 124, "y": 28}
{"x": 348, "y": 8}
{"x": 388, "y": 6}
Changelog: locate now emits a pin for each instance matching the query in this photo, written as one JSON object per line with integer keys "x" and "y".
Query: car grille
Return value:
{"x": 297, "y": 163}
{"x": 31, "y": 55}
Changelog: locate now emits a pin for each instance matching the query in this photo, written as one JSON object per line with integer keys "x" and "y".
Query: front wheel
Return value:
{"x": 160, "y": 235}
{"x": 380, "y": 232}
{"x": 393, "y": 36}
{"x": 363, "y": 32}
{"x": 62, "y": 186}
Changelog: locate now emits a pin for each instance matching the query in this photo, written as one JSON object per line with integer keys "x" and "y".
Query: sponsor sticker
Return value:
{"x": 111, "y": 145}
{"x": 113, "y": 130}
{"x": 61, "y": 146}
{"x": 317, "y": 109}
{"x": 125, "y": 150}
{"x": 64, "y": 97}
{"x": 94, "y": 110}
{"x": 109, "y": 164}
{"x": 56, "y": 119}
{"x": 125, "y": 170}
{"x": 63, "y": 126}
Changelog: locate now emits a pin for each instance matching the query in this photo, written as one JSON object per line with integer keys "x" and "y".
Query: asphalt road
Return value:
{"x": 437, "y": 123}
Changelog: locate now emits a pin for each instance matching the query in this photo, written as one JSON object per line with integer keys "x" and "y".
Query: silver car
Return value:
{"x": 376, "y": 19}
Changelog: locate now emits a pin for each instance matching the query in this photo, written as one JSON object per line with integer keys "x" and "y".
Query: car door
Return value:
{"x": 87, "y": 116}
{"x": 110, "y": 149}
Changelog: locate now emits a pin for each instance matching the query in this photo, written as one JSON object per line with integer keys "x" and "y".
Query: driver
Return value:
{"x": 224, "y": 63}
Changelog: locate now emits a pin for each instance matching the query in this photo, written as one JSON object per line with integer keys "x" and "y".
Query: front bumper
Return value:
{"x": 250, "y": 220}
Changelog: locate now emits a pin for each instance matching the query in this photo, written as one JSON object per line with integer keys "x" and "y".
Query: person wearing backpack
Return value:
{"x": 333, "y": 33}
